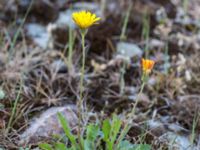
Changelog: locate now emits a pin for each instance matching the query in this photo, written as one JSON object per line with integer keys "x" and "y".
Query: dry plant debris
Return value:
{"x": 35, "y": 71}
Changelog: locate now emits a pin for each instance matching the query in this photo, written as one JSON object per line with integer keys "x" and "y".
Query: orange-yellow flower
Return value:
{"x": 147, "y": 65}
{"x": 85, "y": 19}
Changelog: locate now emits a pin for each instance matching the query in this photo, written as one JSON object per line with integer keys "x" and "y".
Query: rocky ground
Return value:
{"x": 36, "y": 82}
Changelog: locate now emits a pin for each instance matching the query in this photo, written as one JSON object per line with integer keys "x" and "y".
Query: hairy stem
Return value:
{"x": 131, "y": 115}
{"x": 80, "y": 102}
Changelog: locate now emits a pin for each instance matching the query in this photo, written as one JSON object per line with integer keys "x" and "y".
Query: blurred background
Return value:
{"x": 36, "y": 75}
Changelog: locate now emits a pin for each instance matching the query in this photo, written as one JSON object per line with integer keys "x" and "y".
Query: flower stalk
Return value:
{"x": 130, "y": 116}
{"x": 83, "y": 33}
{"x": 80, "y": 102}
{"x": 147, "y": 66}
{"x": 83, "y": 19}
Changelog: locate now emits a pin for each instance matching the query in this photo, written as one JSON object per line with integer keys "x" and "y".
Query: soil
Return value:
{"x": 41, "y": 78}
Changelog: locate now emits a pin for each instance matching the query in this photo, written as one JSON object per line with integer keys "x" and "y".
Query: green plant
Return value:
{"x": 2, "y": 94}
{"x": 122, "y": 73}
{"x": 13, "y": 114}
{"x": 145, "y": 33}
{"x": 16, "y": 35}
{"x": 71, "y": 40}
{"x": 110, "y": 131}
{"x": 185, "y": 6}
{"x": 95, "y": 135}
{"x": 87, "y": 143}
{"x": 123, "y": 37}
{"x": 125, "y": 23}
{"x": 166, "y": 59}
{"x": 147, "y": 66}
{"x": 194, "y": 126}
{"x": 84, "y": 20}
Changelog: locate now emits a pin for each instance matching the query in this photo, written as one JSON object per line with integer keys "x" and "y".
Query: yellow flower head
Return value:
{"x": 147, "y": 65}
{"x": 85, "y": 19}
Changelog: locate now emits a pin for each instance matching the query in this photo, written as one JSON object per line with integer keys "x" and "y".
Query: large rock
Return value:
{"x": 128, "y": 50}
{"x": 48, "y": 124}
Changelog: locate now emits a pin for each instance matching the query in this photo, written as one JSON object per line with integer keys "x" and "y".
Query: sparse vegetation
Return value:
{"x": 99, "y": 75}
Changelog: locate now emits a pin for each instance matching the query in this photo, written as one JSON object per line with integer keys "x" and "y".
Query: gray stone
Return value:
{"x": 47, "y": 124}
{"x": 128, "y": 50}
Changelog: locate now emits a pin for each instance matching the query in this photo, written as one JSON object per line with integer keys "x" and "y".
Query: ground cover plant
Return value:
{"x": 102, "y": 74}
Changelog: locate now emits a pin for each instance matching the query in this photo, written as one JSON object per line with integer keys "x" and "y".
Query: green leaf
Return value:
{"x": 125, "y": 145}
{"x": 88, "y": 145}
{"x": 115, "y": 127}
{"x": 91, "y": 135}
{"x": 2, "y": 107}
{"x": 142, "y": 147}
{"x": 60, "y": 146}
{"x": 106, "y": 129}
{"x": 2, "y": 94}
{"x": 21, "y": 148}
{"x": 92, "y": 132}
{"x": 45, "y": 146}
{"x": 67, "y": 130}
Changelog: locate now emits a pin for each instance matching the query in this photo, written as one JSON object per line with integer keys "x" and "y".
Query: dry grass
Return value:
{"x": 45, "y": 80}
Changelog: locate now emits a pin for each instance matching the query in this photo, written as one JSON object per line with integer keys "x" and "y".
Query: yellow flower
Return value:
{"x": 85, "y": 19}
{"x": 147, "y": 65}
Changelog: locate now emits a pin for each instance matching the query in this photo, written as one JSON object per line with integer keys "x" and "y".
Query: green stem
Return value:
{"x": 70, "y": 47}
{"x": 14, "y": 109}
{"x": 145, "y": 33}
{"x": 137, "y": 100}
{"x": 123, "y": 36}
{"x": 185, "y": 6}
{"x": 103, "y": 6}
{"x": 16, "y": 35}
{"x": 131, "y": 115}
{"x": 82, "y": 69}
{"x": 80, "y": 102}
{"x": 122, "y": 81}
